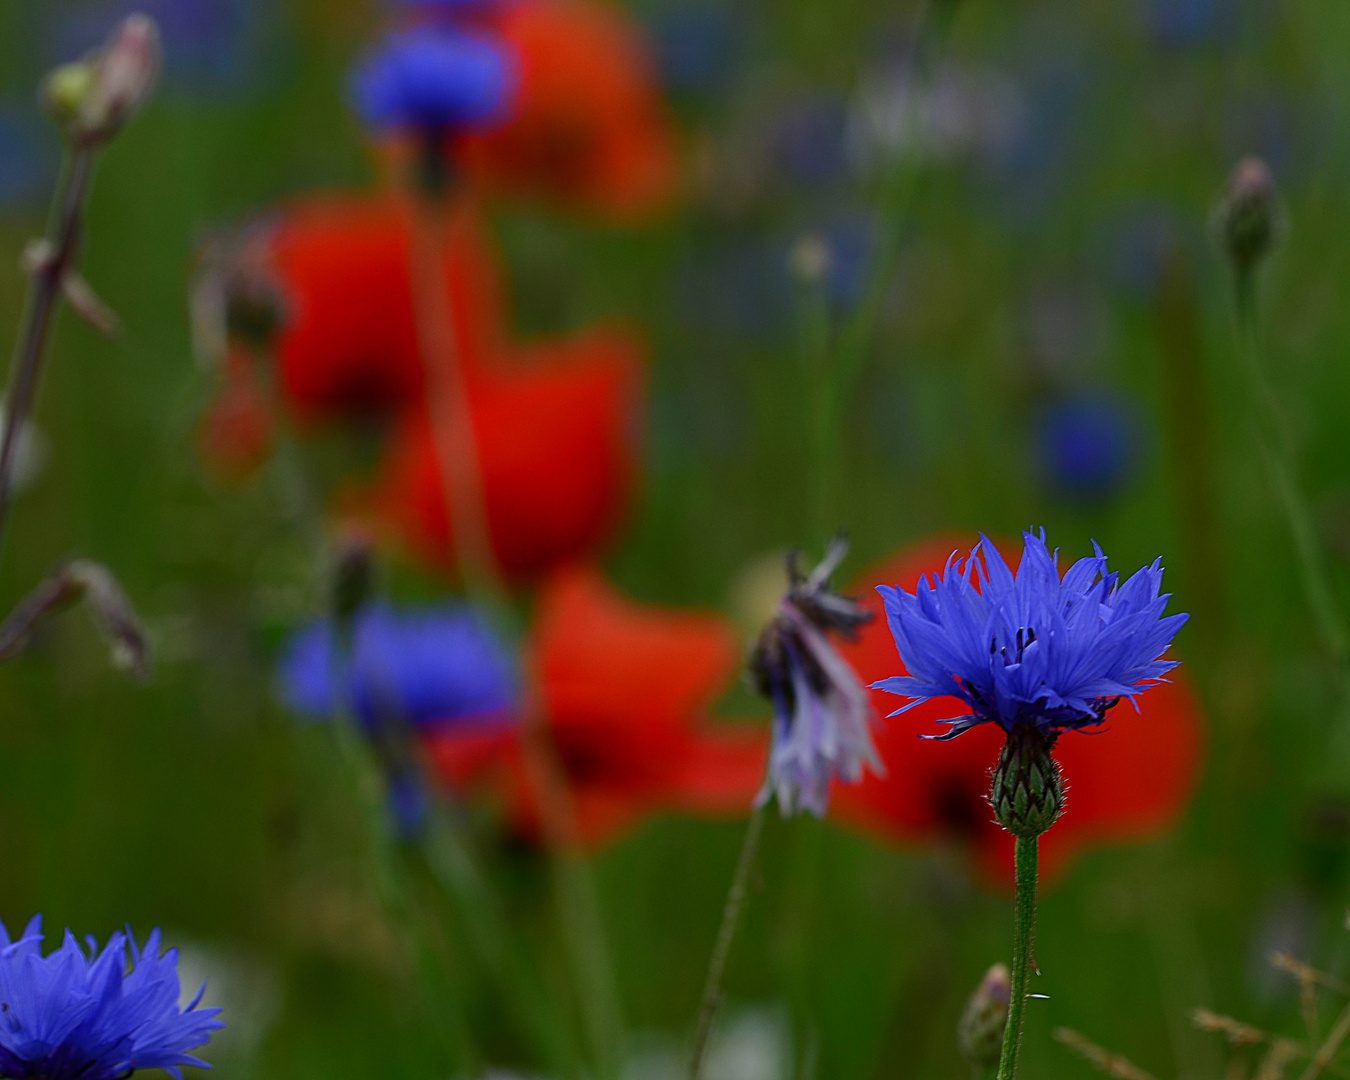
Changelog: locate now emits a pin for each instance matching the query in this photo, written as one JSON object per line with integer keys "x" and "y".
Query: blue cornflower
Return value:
{"x": 821, "y": 714}
{"x": 435, "y": 79}
{"x": 1088, "y": 445}
{"x": 1031, "y": 651}
{"x": 412, "y": 667}
{"x": 72, "y": 1016}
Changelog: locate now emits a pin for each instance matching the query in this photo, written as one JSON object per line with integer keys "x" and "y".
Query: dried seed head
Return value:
{"x": 980, "y": 1032}
{"x": 1249, "y": 216}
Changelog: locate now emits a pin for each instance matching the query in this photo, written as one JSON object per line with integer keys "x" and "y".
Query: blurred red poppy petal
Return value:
{"x": 623, "y": 687}
{"x": 557, "y": 445}
{"x": 349, "y": 344}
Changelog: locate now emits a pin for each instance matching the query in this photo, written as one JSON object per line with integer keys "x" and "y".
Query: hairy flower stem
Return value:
{"x": 43, "y": 292}
{"x": 726, "y": 933}
{"x": 1024, "y": 941}
{"x": 1277, "y": 451}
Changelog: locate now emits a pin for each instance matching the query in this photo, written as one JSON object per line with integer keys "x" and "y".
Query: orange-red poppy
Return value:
{"x": 587, "y": 127}
{"x": 623, "y": 689}
{"x": 1127, "y": 782}
{"x": 556, "y": 434}
{"x": 348, "y": 344}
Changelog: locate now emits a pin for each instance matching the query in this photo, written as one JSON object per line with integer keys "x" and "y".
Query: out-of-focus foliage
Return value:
{"x": 1054, "y": 345}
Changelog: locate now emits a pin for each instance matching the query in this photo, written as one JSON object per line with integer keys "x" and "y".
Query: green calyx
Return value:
{"x": 1028, "y": 788}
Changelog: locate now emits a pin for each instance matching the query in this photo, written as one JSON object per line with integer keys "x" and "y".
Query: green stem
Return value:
{"x": 490, "y": 939}
{"x": 1277, "y": 451}
{"x": 731, "y": 918}
{"x": 1024, "y": 941}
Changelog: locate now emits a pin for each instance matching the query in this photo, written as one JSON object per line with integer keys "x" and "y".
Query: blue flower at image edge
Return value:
{"x": 421, "y": 667}
{"x": 72, "y": 1016}
{"x": 435, "y": 79}
{"x": 1031, "y": 648}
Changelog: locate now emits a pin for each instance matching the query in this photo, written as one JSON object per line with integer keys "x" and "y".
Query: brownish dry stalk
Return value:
{"x": 1111, "y": 1064}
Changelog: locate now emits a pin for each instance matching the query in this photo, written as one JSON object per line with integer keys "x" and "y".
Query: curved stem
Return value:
{"x": 731, "y": 918}
{"x": 1024, "y": 941}
{"x": 1276, "y": 446}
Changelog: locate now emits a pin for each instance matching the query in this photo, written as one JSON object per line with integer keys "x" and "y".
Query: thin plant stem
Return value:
{"x": 43, "y": 292}
{"x": 452, "y": 864}
{"x": 726, "y": 934}
{"x": 574, "y": 890}
{"x": 1188, "y": 427}
{"x": 447, "y": 395}
{"x": 1277, "y": 451}
{"x": 457, "y": 451}
{"x": 817, "y": 361}
{"x": 835, "y": 360}
{"x": 390, "y": 883}
{"x": 1024, "y": 942}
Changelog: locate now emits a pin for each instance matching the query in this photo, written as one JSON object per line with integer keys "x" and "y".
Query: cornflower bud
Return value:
{"x": 1028, "y": 788}
{"x": 980, "y": 1032}
{"x": 94, "y": 97}
{"x": 1249, "y": 216}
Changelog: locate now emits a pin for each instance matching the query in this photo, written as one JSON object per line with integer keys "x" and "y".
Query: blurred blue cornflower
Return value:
{"x": 420, "y": 667}
{"x": 821, "y": 714}
{"x": 72, "y": 1016}
{"x": 1032, "y": 649}
{"x": 435, "y": 79}
{"x": 1087, "y": 447}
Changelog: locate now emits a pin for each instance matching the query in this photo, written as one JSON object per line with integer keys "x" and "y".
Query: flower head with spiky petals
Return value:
{"x": 1032, "y": 649}
{"x": 822, "y": 718}
{"x": 77, "y": 1016}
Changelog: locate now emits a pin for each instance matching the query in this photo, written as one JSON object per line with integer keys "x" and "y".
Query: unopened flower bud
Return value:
{"x": 353, "y": 577}
{"x": 1248, "y": 217}
{"x": 1028, "y": 789}
{"x": 980, "y": 1032}
{"x": 94, "y": 97}
{"x": 65, "y": 89}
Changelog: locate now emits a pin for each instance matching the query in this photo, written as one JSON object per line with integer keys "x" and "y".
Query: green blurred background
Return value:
{"x": 1057, "y": 250}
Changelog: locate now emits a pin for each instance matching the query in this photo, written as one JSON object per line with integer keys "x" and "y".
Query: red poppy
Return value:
{"x": 1126, "y": 783}
{"x": 588, "y": 126}
{"x": 235, "y": 432}
{"x": 556, "y": 433}
{"x": 623, "y": 688}
{"x": 348, "y": 344}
